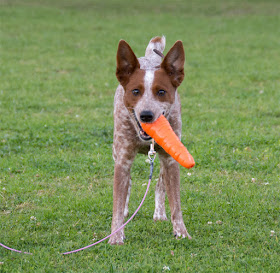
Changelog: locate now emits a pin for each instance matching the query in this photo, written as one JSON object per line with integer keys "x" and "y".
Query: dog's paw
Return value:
{"x": 180, "y": 231}
{"x": 117, "y": 239}
{"x": 159, "y": 214}
{"x": 159, "y": 217}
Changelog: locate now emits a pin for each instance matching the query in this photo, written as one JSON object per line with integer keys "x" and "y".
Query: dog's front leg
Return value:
{"x": 171, "y": 176}
{"x": 120, "y": 192}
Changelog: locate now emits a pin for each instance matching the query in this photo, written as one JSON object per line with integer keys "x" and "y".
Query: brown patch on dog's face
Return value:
{"x": 134, "y": 89}
{"x": 162, "y": 87}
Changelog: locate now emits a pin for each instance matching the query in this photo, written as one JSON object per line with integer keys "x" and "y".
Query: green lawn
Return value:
{"x": 57, "y": 83}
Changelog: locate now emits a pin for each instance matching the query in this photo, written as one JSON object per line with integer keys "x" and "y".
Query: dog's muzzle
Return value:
{"x": 146, "y": 117}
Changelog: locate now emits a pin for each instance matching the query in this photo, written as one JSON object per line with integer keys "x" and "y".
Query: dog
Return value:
{"x": 147, "y": 89}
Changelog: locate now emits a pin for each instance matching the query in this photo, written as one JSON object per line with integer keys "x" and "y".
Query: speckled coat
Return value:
{"x": 148, "y": 88}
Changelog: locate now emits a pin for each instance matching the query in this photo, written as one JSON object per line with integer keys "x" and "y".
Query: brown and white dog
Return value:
{"x": 148, "y": 88}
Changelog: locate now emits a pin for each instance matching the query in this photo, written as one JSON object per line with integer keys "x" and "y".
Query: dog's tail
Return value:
{"x": 157, "y": 43}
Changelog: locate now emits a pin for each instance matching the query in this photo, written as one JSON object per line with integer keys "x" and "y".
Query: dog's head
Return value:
{"x": 149, "y": 92}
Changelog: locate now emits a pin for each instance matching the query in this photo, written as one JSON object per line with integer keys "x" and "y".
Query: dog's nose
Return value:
{"x": 146, "y": 116}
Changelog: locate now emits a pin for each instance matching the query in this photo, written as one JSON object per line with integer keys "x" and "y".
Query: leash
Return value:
{"x": 15, "y": 250}
{"x": 151, "y": 156}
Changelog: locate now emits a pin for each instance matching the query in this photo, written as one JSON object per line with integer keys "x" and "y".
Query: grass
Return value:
{"x": 56, "y": 125}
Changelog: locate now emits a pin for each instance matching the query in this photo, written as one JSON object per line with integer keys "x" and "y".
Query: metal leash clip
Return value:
{"x": 152, "y": 153}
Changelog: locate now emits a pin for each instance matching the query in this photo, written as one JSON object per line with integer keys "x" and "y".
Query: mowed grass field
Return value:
{"x": 57, "y": 83}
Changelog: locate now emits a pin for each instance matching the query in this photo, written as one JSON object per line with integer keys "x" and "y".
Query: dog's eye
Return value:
{"x": 161, "y": 93}
{"x": 136, "y": 92}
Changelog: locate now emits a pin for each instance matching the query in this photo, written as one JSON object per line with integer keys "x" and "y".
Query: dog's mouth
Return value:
{"x": 142, "y": 134}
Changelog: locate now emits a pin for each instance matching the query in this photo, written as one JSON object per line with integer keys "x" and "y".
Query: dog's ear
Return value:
{"x": 173, "y": 63}
{"x": 127, "y": 62}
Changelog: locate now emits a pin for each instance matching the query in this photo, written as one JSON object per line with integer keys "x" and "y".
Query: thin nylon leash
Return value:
{"x": 15, "y": 250}
{"x": 151, "y": 156}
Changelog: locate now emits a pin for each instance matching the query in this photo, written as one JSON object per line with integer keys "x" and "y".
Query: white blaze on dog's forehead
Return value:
{"x": 148, "y": 80}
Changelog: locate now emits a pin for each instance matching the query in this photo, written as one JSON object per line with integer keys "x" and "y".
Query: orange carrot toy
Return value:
{"x": 162, "y": 133}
